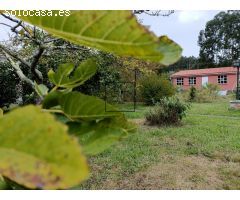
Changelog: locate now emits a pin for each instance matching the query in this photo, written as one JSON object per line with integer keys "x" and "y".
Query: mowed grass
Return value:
{"x": 202, "y": 153}
{"x": 217, "y": 108}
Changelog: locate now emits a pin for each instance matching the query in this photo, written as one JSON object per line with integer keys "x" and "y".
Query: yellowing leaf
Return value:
{"x": 113, "y": 31}
{"x": 37, "y": 152}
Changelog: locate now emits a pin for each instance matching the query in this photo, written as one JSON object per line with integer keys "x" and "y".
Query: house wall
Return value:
{"x": 230, "y": 85}
{"x": 186, "y": 85}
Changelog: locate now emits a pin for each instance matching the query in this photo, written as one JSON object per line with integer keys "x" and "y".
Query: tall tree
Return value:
{"x": 184, "y": 63}
{"x": 220, "y": 41}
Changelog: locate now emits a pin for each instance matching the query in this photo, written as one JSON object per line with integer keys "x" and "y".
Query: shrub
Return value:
{"x": 154, "y": 87}
{"x": 192, "y": 94}
{"x": 168, "y": 111}
{"x": 207, "y": 94}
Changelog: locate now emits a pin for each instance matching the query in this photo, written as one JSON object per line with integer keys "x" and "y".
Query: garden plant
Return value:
{"x": 169, "y": 111}
{"x": 45, "y": 146}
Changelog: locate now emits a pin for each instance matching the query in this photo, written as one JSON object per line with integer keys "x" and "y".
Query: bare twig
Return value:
{"x": 10, "y": 18}
{"x": 154, "y": 12}
{"x": 6, "y": 25}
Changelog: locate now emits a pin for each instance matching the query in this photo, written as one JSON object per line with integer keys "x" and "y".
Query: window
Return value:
{"x": 192, "y": 80}
{"x": 179, "y": 81}
{"x": 222, "y": 79}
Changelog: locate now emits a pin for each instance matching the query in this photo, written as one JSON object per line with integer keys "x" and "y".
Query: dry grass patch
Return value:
{"x": 191, "y": 172}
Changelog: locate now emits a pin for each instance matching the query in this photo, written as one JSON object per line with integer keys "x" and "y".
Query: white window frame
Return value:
{"x": 222, "y": 79}
{"x": 180, "y": 81}
{"x": 192, "y": 80}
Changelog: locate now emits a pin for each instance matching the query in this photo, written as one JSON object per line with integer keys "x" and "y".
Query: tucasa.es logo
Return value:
{"x": 121, "y": 94}
{"x": 38, "y": 13}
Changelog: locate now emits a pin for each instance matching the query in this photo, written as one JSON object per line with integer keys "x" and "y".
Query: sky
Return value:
{"x": 182, "y": 26}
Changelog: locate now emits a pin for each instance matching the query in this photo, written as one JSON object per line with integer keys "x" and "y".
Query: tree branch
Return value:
{"x": 18, "y": 70}
{"x": 14, "y": 55}
{"x": 34, "y": 63}
{"x": 26, "y": 32}
{"x": 10, "y": 18}
{"x": 5, "y": 25}
{"x": 32, "y": 66}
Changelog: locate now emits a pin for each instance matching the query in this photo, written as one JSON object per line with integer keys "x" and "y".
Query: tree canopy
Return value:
{"x": 220, "y": 40}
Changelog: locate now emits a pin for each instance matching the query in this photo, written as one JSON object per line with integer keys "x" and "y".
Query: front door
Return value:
{"x": 204, "y": 80}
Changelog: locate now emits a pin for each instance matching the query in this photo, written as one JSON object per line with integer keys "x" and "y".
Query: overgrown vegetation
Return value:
{"x": 153, "y": 88}
{"x": 206, "y": 94}
{"x": 203, "y": 153}
{"x": 169, "y": 111}
{"x": 49, "y": 148}
{"x": 192, "y": 94}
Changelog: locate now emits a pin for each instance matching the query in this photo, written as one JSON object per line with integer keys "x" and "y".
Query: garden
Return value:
{"x": 86, "y": 108}
{"x": 202, "y": 152}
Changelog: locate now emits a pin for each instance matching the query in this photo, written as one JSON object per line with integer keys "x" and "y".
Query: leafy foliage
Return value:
{"x": 30, "y": 159}
{"x": 154, "y": 87}
{"x": 183, "y": 63}
{"x": 169, "y": 111}
{"x": 125, "y": 37}
{"x": 41, "y": 154}
{"x": 192, "y": 94}
{"x": 80, "y": 107}
{"x": 208, "y": 93}
{"x": 8, "y": 82}
{"x": 82, "y": 73}
{"x": 219, "y": 42}
{"x": 96, "y": 128}
{"x": 95, "y": 137}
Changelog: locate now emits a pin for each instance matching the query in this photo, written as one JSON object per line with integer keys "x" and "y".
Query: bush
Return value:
{"x": 207, "y": 94}
{"x": 192, "y": 94}
{"x": 167, "y": 112}
{"x": 154, "y": 87}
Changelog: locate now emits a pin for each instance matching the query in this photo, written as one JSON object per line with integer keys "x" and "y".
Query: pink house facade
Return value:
{"x": 225, "y": 77}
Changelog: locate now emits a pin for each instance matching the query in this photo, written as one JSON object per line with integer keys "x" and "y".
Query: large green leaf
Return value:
{"x": 81, "y": 107}
{"x": 95, "y": 137}
{"x": 112, "y": 31}
{"x": 83, "y": 72}
{"x": 37, "y": 152}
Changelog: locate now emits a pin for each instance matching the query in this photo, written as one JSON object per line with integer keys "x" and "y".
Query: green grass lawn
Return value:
{"x": 202, "y": 153}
